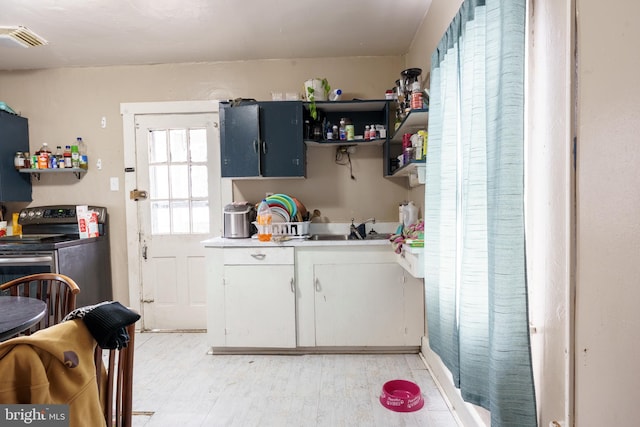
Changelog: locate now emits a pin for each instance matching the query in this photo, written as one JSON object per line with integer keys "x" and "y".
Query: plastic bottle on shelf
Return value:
{"x": 75, "y": 156}
{"x": 82, "y": 151}
{"x": 342, "y": 130}
{"x": 67, "y": 156}
{"x": 59, "y": 158}
{"x": 335, "y": 95}
{"x": 264, "y": 219}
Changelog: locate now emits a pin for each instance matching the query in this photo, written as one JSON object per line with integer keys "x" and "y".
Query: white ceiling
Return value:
{"x": 119, "y": 32}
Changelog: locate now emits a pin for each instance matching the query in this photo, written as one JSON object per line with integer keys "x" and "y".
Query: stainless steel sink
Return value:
{"x": 329, "y": 237}
{"x": 377, "y": 236}
{"x": 374, "y": 236}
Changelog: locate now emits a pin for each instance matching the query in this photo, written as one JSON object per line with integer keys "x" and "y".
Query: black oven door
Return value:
{"x": 14, "y": 265}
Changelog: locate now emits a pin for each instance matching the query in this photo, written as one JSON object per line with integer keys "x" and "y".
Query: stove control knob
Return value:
{"x": 23, "y": 214}
{"x": 39, "y": 213}
{"x": 31, "y": 214}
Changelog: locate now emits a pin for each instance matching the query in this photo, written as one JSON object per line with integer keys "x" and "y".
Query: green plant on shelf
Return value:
{"x": 312, "y": 98}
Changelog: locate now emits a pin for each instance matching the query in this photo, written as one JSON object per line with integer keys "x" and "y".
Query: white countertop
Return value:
{"x": 329, "y": 228}
{"x": 221, "y": 242}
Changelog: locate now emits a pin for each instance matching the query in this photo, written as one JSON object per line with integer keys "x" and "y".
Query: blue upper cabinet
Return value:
{"x": 262, "y": 139}
{"x": 14, "y": 136}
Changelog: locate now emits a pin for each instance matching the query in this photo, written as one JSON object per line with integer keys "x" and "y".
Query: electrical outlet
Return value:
{"x": 114, "y": 183}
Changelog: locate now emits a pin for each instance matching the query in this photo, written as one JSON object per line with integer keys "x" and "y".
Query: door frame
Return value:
{"x": 129, "y": 111}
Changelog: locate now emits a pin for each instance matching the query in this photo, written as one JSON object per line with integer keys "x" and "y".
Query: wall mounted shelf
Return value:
{"x": 36, "y": 172}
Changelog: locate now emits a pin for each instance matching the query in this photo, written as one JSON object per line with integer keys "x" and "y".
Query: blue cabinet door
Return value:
{"x": 240, "y": 141}
{"x": 262, "y": 139}
{"x": 283, "y": 149}
{"x": 14, "y": 136}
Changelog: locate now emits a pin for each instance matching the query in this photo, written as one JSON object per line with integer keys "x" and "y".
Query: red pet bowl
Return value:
{"x": 401, "y": 396}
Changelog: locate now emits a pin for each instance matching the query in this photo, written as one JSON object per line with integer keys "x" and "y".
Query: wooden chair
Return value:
{"x": 114, "y": 373}
{"x": 57, "y": 290}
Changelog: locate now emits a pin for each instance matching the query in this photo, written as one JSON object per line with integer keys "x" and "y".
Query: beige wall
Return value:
{"x": 64, "y": 103}
{"x": 608, "y": 214}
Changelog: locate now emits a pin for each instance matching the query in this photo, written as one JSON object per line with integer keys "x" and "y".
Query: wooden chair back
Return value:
{"x": 57, "y": 290}
{"x": 114, "y": 373}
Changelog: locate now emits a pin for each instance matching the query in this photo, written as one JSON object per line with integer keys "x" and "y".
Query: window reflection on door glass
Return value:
{"x": 160, "y": 218}
{"x": 159, "y": 182}
{"x": 200, "y": 216}
{"x": 178, "y": 145}
{"x": 199, "y": 183}
{"x": 198, "y": 145}
{"x": 178, "y": 181}
{"x": 157, "y": 146}
{"x": 180, "y": 215}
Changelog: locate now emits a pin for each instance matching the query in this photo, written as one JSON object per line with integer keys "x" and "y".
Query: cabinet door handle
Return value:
{"x": 264, "y": 147}
{"x": 293, "y": 286}
{"x": 256, "y": 145}
{"x": 318, "y": 289}
{"x": 259, "y": 256}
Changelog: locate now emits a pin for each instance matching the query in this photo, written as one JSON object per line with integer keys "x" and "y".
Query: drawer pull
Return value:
{"x": 293, "y": 286}
{"x": 318, "y": 289}
{"x": 259, "y": 256}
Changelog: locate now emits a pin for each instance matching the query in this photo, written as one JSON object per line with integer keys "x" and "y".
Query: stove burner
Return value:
{"x": 30, "y": 238}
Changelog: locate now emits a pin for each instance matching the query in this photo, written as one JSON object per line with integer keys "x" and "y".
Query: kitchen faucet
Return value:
{"x": 360, "y": 232}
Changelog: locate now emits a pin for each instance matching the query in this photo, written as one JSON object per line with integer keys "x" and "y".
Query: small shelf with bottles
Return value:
{"x": 36, "y": 172}
{"x": 414, "y": 121}
{"x": 362, "y": 113}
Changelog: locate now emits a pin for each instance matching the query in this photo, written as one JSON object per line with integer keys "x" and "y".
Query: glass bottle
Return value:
{"x": 59, "y": 157}
{"x": 67, "y": 156}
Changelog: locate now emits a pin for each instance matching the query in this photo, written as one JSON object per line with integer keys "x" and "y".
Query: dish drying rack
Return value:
{"x": 293, "y": 229}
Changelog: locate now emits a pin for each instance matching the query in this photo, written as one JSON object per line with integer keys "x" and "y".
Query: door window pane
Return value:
{"x": 181, "y": 217}
{"x": 160, "y": 218}
{"x": 178, "y": 181}
{"x": 198, "y": 145}
{"x": 199, "y": 183}
{"x": 200, "y": 216}
{"x": 159, "y": 182}
{"x": 178, "y": 144}
{"x": 157, "y": 146}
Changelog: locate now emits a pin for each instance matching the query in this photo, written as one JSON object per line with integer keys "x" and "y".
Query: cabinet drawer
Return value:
{"x": 412, "y": 261}
{"x": 258, "y": 256}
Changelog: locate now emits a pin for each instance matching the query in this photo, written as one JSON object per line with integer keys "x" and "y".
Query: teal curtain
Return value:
{"x": 475, "y": 278}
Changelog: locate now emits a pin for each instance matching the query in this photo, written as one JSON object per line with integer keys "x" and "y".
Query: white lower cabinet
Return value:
{"x": 255, "y": 295}
{"x": 333, "y": 297}
{"x": 357, "y": 297}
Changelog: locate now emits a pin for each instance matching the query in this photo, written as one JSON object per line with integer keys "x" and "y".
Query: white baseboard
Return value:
{"x": 466, "y": 414}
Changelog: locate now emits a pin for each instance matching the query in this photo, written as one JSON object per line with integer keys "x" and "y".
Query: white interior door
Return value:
{"x": 174, "y": 158}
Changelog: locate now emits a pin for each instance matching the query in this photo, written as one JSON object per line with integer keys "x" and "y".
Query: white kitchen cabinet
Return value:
{"x": 357, "y": 297}
{"x": 252, "y": 297}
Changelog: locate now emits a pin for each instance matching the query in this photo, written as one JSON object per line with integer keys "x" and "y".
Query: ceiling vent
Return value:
{"x": 20, "y": 36}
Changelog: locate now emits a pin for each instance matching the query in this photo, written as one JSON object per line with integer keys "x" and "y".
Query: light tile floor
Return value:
{"x": 176, "y": 383}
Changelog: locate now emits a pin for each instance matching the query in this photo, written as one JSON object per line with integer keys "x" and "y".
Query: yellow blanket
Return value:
{"x": 53, "y": 366}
